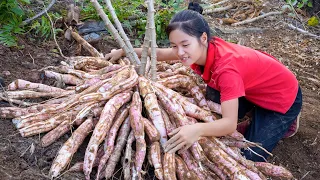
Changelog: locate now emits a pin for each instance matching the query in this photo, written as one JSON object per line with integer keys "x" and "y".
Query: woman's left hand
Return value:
{"x": 183, "y": 136}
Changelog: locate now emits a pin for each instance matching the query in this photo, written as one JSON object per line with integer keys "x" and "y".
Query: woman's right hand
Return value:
{"x": 114, "y": 55}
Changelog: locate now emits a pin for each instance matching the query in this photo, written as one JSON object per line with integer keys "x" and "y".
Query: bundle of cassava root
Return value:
{"x": 129, "y": 117}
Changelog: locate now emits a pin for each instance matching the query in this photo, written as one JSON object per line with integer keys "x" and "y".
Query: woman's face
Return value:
{"x": 188, "y": 48}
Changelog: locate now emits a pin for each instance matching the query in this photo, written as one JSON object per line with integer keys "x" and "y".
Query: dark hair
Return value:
{"x": 190, "y": 21}
{"x": 195, "y": 7}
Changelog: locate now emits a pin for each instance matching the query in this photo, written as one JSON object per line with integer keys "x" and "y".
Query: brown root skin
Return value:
{"x": 155, "y": 156}
{"x": 70, "y": 147}
{"x": 150, "y": 130}
{"x": 55, "y": 134}
{"x": 120, "y": 144}
{"x": 273, "y": 170}
{"x": 127, "y": 160}
{"x": 102, "y": 127}
{"x": 23, "y": 84}
{"x": 137, "y": 126}
{"x": 182, "y": 170}
{"x": 121, "y": 115}
{"x": 169, "y": 166}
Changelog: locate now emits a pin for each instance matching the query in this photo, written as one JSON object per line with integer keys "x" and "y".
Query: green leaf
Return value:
{"x": 310, "y": 4}
{"x": 313, "y": 21}
{"x": 291, "y": 15}
{"x": 18, "y": 30}
{"x": 137, "y": 43}
{"x": 300, "y": 5}
{"x": 17, "y": 11}
{"x": 25, "y": 1}
{"x": 294, "y": 2}
{"x": 158, "y": 28}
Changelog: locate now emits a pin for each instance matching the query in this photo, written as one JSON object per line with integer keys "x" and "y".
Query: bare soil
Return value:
{"x": 23, "y": 158}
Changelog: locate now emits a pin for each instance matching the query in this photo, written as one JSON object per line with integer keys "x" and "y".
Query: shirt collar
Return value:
{"x": 209, "y": 62}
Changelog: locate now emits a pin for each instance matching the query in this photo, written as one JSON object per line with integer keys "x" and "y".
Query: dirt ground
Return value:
{"x": 23, "y": 158}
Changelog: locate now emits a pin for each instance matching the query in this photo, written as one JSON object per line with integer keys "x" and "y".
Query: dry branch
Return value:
{"x": 153, "y": 38}
{"x": 257, "y": 18}
{"x": 27, "y": 21}
{"x": 86, "y": 45}
{"x": 303, "y": 31}
{"x": 216, "y": 10}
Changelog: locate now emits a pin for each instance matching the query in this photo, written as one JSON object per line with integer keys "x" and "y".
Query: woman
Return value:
{"x": 239, "y": 78}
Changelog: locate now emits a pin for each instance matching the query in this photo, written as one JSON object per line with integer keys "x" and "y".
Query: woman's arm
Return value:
{"x": 185, "y": 136}
{"x": 163, "y": 54}
{"x": 226, "y": 125}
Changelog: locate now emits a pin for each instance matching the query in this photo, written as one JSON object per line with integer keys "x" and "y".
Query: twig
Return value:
{"x": 257, "y": 154}
{"x": 131, "y": 52}
{"x": 242, "y": 30}
{"x": 215, "y": 10}
{"x": 152, "y": 30}
{"x": 217, "y": 4}
{"x": 314, "y": 142}
{"x": 303, "y": 31}
{"x": 31, "y": 58}
{"x": 25, "y": 22}
{"x": 259, "y": 146}
{"x": 305, "y": 175}
{"x": 22, "y": 154}
{"x": 257, "y": 18}
{"x": 315, "y": 81}
{"x": 54, "y": 35}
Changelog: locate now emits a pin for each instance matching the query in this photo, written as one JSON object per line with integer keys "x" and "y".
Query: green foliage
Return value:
{"x": 42, "y": 28}
{"x": 123, "y": 9}
{"x": 11, "y": 16}
{"x": 313, "y": 21}
{"x": 133, "y": 15}
{"x": 163, "y": 16}
{"x": 299, "y": 4}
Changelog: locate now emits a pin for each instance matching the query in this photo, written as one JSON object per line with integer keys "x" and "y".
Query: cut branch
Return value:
{"x": 145, "y": 50}
{"x": 131, "y": 53}
{"x": 215, "y": 10}
{"x": 86, "y": 45}
{"x": 257, "y": 18}
{"x": 111, "y": 28}
{"x": 153, "y": 39}
{"x": 25, "y": 22}
{"x": 303, "y": 31}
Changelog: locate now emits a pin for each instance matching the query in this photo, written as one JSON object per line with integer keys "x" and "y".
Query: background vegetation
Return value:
{"x": 132, "y": 14}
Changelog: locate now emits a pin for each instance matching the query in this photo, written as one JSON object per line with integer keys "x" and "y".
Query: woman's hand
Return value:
{"x": 183, "y": 136}
{"x": 114, "y": 55}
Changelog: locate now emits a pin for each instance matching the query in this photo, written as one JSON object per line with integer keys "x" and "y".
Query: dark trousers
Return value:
{"x": 267, "y": 127}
